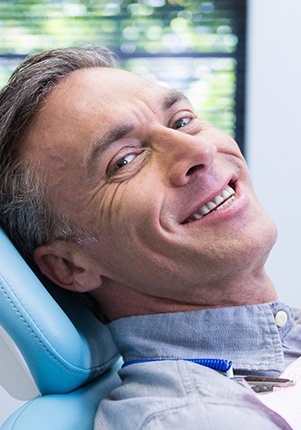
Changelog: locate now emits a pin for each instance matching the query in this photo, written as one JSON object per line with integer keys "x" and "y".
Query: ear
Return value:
{"x": 67, "y": 267}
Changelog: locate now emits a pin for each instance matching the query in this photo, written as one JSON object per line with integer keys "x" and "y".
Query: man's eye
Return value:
{"x": 181, "y": 123}
{"x": 123, "y": 161}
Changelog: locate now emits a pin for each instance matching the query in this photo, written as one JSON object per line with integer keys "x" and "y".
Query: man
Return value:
{"x": 117, "y": 189}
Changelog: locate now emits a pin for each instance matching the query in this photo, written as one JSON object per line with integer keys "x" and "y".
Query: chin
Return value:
{"x": 270, "y": 232}
{"x": 263, "y": 241}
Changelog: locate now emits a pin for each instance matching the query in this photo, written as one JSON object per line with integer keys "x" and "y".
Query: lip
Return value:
{"x": 233, "y": 184}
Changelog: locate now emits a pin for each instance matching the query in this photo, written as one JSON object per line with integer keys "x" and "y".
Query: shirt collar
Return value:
{"x": 246, "y": 335}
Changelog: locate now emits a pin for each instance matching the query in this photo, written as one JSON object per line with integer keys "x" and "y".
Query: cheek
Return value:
{"x": 120, "y": 210}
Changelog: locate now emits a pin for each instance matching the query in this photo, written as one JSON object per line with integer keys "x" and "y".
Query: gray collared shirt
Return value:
{"x": 167, "y": 394}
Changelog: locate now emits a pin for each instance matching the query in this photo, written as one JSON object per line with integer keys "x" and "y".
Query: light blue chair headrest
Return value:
{"x": 59, "y": 335}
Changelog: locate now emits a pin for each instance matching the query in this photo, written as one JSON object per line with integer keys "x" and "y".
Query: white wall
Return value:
{"x": 274, "y": 131}
{"x": 274, "y": 137}
{"x": 7, "y": 405}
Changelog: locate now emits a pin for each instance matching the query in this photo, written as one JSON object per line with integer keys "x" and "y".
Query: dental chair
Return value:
{"x": 53, "y": 352}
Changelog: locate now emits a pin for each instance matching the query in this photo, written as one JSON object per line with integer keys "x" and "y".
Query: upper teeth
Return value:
{"x": 217, "y": 203}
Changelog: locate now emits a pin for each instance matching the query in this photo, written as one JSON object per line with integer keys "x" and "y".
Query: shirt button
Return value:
{"x": 281, "y": 318}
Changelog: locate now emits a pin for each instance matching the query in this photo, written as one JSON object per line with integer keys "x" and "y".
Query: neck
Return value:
{"x": 118, "y": 301}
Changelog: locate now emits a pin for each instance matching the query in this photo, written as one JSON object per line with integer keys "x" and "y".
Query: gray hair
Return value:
{"x": 24, "y": 212}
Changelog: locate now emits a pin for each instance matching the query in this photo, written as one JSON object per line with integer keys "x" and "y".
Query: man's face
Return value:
{"x": 168, "y": 197}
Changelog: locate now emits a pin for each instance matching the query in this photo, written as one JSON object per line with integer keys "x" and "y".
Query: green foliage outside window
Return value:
{"x": 187, "y": 44}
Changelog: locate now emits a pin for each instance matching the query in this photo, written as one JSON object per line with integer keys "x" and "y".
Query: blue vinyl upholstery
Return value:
{"x": 67, "y": 350}
{"x": 73, "y": 411}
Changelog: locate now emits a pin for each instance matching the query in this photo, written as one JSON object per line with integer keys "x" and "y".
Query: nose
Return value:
{"x": 185, "y": 157}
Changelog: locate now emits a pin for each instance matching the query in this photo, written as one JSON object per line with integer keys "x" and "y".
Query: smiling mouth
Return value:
{"x": 219, "y": 202}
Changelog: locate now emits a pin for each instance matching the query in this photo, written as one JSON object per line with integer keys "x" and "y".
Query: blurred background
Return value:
{"x": 195, "y": 46}
{"x": 237, "y": 60}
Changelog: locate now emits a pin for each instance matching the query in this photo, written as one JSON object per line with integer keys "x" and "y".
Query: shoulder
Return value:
{"x": 177, "y": 395}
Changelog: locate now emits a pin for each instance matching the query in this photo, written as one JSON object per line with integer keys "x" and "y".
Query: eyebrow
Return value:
{"x": 103, "y": 143}
{"x": 121, "y": 130}
{"x": 172, "y": 97}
